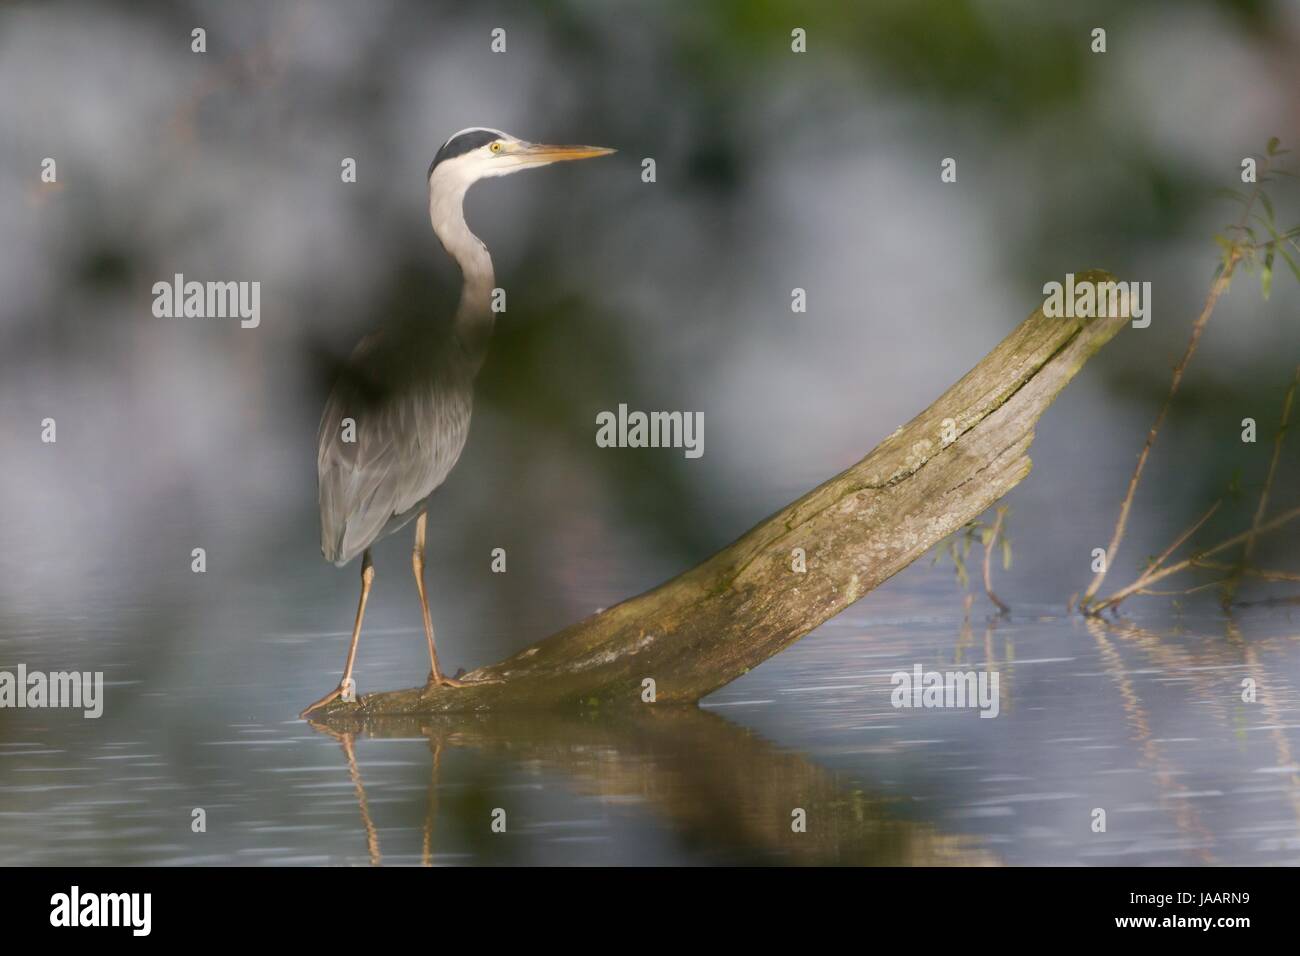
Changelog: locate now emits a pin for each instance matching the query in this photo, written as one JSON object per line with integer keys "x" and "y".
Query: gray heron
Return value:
{"x": 396, "y": 421}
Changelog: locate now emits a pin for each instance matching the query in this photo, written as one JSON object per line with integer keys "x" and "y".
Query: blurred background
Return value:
{"x": 775, "y": 170}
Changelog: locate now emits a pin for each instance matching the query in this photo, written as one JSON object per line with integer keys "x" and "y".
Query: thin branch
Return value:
{"x": 1230, "y": 586}
{"x": 1003, "y": 607}
{"x": 1178, "y": 542}
{"x": 1216, "y": 290}
{"x": 1164, "y": 556}
{"x": 1182, "y": 592}
{"x": 1272, "y": 467}
{"x": 1151, "y": 578}
{"x": 1262, "y": 573}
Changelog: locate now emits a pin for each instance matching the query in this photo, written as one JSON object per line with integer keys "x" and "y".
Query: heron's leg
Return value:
{"x": 367, "y": 578}
{"x": 372, "y": 835}
{"x": 426, "y": 855}
{"x": 417, "y": 566}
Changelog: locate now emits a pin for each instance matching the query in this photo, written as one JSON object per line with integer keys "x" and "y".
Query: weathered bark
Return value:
{"x": 711, "y": 624}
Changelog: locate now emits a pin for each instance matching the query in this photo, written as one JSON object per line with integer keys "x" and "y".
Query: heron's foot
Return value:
{"x": 442, "y": 680}
{"x": 333, "y": 695}
{"x": 345, "y": 691}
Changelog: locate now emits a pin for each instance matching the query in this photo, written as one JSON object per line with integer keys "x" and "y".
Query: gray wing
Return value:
{"x": 409, "y": 431}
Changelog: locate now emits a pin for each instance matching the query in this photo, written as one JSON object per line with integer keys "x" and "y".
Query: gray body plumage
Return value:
{"x": 411, "y": 402}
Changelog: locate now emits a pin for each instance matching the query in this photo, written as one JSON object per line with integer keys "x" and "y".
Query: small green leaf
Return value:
{"x": 1266, "y": 275}
{"x": 1272, "y": 146}
{"x": 1006, "y": 555}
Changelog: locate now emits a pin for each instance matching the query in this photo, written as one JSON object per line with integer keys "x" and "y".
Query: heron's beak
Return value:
{"x": 539, "y": 154}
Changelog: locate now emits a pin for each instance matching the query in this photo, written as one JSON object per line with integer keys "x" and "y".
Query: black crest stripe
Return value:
{"x": 459, "y": 145}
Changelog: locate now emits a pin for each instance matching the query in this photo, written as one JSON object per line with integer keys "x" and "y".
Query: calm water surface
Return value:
{"x": 1143, "y": 719}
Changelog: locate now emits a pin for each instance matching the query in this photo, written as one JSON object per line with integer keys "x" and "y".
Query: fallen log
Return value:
{"x": 715, "y": 622}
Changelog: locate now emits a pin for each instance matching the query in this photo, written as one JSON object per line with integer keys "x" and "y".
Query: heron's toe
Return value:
{"x": 332, "y": 696}
{"x": 442, "y": 680}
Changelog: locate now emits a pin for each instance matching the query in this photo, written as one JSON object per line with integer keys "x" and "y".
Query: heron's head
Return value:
{"x": 477, "y": 153}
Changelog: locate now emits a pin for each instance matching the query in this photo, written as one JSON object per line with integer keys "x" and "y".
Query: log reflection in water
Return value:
{"x": 726, "y": 791}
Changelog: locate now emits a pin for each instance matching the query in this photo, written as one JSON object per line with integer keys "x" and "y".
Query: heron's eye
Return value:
{"x": 496, "y": 147}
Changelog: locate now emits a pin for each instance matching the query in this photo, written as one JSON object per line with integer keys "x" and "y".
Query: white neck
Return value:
{"x": 474, "y": 317}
